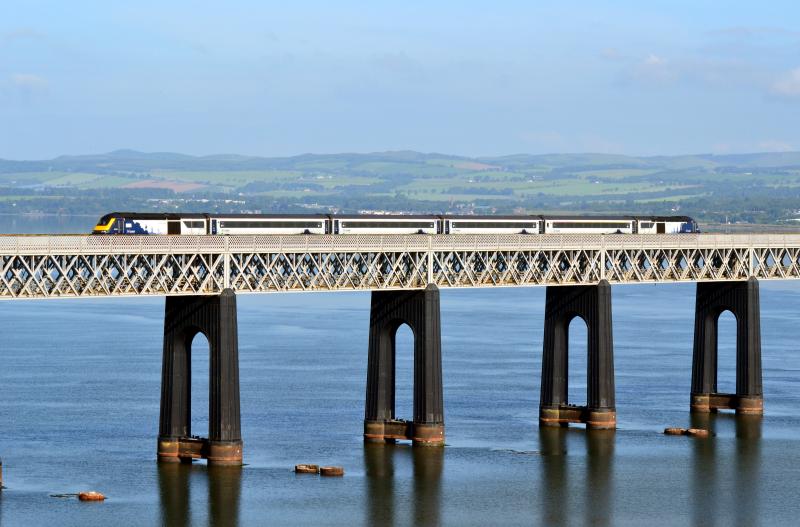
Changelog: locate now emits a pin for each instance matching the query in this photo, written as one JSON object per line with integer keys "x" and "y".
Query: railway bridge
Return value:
{"x": 201, "y": 276}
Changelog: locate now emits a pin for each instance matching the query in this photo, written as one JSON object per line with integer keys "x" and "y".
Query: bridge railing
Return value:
{"x": 185, "y": 244}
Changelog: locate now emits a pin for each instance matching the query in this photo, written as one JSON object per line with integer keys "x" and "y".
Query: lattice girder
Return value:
{"x": 90, "y": 266}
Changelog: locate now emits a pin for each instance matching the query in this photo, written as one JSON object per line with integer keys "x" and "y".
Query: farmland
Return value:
{"x": 739, "y": 188}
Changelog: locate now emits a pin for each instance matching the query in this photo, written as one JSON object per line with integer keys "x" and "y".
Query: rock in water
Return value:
{"x": 331, "y": 471}
{"x": 306, "y": 469}
{"x": 91, "y": 495}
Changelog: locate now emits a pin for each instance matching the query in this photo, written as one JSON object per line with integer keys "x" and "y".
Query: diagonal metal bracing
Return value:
{"x": 91, "y": 266}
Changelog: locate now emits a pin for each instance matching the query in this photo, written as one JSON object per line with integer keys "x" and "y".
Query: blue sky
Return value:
{"x": 472, "y": 78}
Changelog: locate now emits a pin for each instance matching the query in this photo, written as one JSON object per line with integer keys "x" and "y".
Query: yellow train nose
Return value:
{"x": 100, "y": 228}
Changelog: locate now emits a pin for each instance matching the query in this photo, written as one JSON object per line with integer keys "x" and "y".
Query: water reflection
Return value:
{"x": 559, "y": 497}
{"x": 381, "y": 462}
{"x": 553, "y": 447}
{"x": 725, "y": 481}
{"x": 599, "y": 491}
{"x": 428, "y": 464}
{"x": 224, "y": 489}
{"x": 173, "y": 487}
{"x": 175, "y": 482}
{"x": 748, "y": 463}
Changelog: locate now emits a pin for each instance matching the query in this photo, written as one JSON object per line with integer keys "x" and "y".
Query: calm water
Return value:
{"x": 80, "y": 382}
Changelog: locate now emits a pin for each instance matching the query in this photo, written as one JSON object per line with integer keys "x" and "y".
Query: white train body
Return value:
{"x": 651, "y": 226}
{"x": 385, "y": 224}
{"x": 586, "y": 224}
{"x": 269, "y": 225}
{"x": 491, "y": 225}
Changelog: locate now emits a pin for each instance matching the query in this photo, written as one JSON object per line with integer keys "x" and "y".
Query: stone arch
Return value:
{"x": 215, "y": 318}
{"x": 742, "y": 300}
{"x": 577, "y": 357}
{"x": 420, "y": 311}
{"x": 727, "y": 332}
{"x": 593, "y": 305}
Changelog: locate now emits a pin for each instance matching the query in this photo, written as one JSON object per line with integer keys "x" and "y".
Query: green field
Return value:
{"x": 756, "y": 187}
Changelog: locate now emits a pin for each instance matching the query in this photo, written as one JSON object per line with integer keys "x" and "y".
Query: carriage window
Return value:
{"x": 194, "y": 224}
{"x": 281, "y": 224}
{"x": 496, "y": 224}
{"x": 380, "y": 224}
{"x": 591, "y": 225}
{"x": 646, "y": 225}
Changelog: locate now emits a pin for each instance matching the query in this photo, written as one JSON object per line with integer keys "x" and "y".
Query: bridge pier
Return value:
{"x": 593, "y": 305}
{"x": 390, "y": 310}
{"x": 741, "y": 299}
{"x": 215, "y": 317}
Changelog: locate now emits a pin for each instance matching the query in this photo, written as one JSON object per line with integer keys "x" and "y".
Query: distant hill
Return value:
{"x": 126, "y": 160}
{"x": 742, "y": 187}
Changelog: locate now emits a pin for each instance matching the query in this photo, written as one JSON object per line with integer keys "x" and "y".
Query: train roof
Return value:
{"x": 155, "y": 215}
{"x": 530, "y": 217}
{"x": 250, "y": 216}
{"x": 193, "y": 215}
{"x": 665, "y": 218}
{"x": 605, "y": 217}
{"x": 387, "y": 216}
{"x": 584, "y": 217}
{"x": 196, "y": 215}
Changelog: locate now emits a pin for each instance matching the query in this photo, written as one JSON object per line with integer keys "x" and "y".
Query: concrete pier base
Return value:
{"x": 593, "y": 305}
{"x": 741, "y": 299}
{"x": 215, "y": 317}
{"x": 390, "y": 310}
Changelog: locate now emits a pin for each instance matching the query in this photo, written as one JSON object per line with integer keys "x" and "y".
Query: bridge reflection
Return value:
{"x": 725, "y": 475}
{"x": 386, "y": 499}
{"x": 177, "y": 482}
{"x": 577, "y": 481}
{"x": 561, "y": 494}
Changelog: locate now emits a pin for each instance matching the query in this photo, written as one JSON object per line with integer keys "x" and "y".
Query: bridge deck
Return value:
{"x": 43, "y": 266}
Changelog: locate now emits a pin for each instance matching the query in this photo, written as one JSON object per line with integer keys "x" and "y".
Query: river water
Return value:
{"x": 80, "y": 384}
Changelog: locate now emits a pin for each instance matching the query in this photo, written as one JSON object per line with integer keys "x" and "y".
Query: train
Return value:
{"x": 297, "y": 224}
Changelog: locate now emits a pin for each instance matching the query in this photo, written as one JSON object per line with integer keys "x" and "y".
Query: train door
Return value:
{"x": 661, "y": 228}
{"x": 213, "y": 226}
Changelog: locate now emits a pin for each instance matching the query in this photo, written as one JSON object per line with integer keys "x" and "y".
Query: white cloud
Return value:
{"x": 28, "y": 81}
{"x": 654, "y": 69}
{"x": 654, "y": 60}
{"x": 774, "y": 145}
{"x": 21, "y": 34}
{"x": 787, "y": 85}
{"x": 552, "y": 142}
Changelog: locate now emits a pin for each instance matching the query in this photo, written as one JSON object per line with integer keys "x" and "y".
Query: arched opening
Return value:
{"x": 404, "y": 372}
{"x": 577, "y": 357}
{"x": 726, "y": 352}
{"x": 199, "y": 355}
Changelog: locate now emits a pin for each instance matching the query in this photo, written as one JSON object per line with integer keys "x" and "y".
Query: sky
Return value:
{"x": 458, "y": 77}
